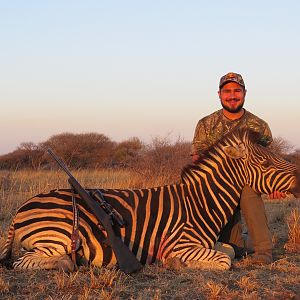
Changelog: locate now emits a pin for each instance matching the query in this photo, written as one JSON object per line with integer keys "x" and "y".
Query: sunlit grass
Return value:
{"x": 279, "y": 280}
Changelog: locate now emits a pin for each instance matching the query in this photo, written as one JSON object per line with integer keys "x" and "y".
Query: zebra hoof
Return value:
{"x": 225, "y": 248}
{"x": 65, "y": 264}
{"x": 210, "y": 265}
{"x": 174, "y": 263}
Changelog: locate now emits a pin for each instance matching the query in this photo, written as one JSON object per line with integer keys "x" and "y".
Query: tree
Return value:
{"x": 281, "y": 146}
{"x": 84, "y": 150}
{"x": 32, "y": 154}
{"x": 127, "y": 152}
{"x": 164, "y": 159}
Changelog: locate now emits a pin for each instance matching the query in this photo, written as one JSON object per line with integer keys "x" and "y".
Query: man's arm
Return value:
{"x": 266, "y": 138}
{"x": 276, "y": 195}
{"x": 200, "y": 143}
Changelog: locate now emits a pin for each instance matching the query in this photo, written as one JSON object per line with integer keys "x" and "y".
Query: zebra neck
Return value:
{"x": 212, "y": 190}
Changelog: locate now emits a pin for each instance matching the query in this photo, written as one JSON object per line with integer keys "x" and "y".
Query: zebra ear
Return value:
{"x": 237, "y": 151}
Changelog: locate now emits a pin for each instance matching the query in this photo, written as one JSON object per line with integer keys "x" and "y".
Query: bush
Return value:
{"x": 89, "y": 150}
{"x": 93, "y": 150}
{"x": 164, "y": 159}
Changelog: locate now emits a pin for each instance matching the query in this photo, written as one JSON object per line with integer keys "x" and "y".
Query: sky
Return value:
{"x": 143, "y": 69}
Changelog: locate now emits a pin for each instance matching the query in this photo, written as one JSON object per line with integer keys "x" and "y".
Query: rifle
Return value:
{"x": 116, "y": 218}
{"x": 127, "y": 261}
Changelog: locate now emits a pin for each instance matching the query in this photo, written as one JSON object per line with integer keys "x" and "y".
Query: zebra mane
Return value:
{"x": 233, "y": 137}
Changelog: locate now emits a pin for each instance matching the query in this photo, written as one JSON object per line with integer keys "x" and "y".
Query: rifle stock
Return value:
{"x": 127, "y": 261}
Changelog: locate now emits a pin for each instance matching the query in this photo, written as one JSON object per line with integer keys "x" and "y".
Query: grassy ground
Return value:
{"x": 280, "y": 280}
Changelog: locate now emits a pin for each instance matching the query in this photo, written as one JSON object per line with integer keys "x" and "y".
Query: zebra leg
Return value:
{"x": 225, "y": 248}
{"x": 200, "y": 258}
{"x": 44, "y": 258}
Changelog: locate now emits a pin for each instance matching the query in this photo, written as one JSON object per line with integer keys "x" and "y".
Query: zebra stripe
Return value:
{"x": 180, "y": 221}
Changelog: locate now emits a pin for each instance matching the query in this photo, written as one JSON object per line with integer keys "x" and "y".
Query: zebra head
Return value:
{"x": 261, "y": 169}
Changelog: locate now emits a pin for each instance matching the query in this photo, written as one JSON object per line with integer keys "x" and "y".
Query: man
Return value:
{"x": 209, "y": 130}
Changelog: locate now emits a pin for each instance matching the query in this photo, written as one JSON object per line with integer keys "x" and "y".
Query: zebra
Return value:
{"x": 173, "y": 223}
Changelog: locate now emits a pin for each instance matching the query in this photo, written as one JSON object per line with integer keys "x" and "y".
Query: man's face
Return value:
{"x": 232, "y": 97}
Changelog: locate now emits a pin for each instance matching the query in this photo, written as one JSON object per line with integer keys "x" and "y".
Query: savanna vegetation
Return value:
{"x": 96, "y": 161}
{"x": 94, "y": 151}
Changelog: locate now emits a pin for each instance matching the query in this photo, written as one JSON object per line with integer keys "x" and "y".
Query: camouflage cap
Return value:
{"x": 231, "y": 77}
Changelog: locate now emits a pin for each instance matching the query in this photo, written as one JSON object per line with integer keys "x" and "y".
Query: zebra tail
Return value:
{"x": 6, "y": 249}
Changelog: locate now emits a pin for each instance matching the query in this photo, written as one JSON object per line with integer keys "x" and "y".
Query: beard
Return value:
{"x": 231, "y": 109}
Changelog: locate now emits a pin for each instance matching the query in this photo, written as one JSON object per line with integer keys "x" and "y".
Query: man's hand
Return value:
{"x": 277, "y": 195}
{"x": 195, "y": 157}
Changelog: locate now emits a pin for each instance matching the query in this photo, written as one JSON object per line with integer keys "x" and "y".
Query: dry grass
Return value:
{"x": 280, "y": 280}
{"x": 293, "y": 243}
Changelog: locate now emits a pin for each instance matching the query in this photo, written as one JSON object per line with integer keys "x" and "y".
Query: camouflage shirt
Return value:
{"x": 212, "y": 128}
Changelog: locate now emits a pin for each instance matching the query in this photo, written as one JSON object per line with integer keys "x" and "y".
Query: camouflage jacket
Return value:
{"x": 212, "y": 128}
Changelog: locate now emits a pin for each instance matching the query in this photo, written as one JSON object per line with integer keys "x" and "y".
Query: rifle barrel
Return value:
{"x": 60, "y": 162}
{"x": 127, "y": 261}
